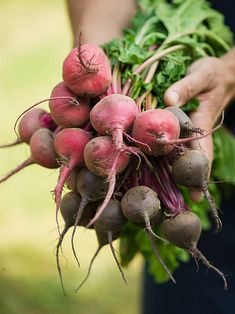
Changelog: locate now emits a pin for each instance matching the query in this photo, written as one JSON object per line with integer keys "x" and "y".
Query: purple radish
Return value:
{"x": 102, "y": 159}
{"x": 68, "y": 113}
{"x": 114, "y": 115}
{"x": 141, "y": 205}
{"x": 68, "y": 208}
{"x": 108, "y": 228}
{"x": 69, "y": 145}
{"x": 192, "y": 170}
{"x": 184, "y": 230}
{"x": 186, "y": 125}
{"x": 92, "y": 188}
{"x": 71, "y": 182}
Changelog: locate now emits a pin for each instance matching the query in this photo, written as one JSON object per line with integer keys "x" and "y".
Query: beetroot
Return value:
{"x": 68, "y": 208}
{"x": 87, "y": 71}
{"x": 108, "y": 227}
{"x": 191, "y": 169}
{"x": 66, "y": 112}
{"x": 42, "y": 149}
{"x": 103, "y": 160}
{"x": 184, "y": 230}
{"x": 154, "y": 128}
{"x": 114, "y": 115}
{"x": 69, "y": 145}
{"x": 92, "y": 188}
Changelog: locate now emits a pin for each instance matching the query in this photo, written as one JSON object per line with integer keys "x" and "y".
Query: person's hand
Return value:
{"x": 212, "y": 82}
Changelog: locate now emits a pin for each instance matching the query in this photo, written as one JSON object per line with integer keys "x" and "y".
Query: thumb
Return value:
{"x": 187, "y": 88}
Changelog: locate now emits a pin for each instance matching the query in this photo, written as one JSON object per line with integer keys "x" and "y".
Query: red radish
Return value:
{"x": 114, "y": 115}
{"x": 30, "y": 122}
{"x": 69, "y": 145}
{"x": 153, "y": 126}
{"x": 42, "y": 149}
{"x": 66, "y": 112}
{"x": 42, "y": 153}
{"x": 87, "y": 71}
{"x": 102, "y": 158}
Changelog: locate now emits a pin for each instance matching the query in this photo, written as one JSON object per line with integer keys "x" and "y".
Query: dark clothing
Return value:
{"x": 202, "y": 292}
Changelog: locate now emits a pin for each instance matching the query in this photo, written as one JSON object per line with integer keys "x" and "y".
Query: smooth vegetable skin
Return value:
{"x": 114, "y": 115}
{"x": 108, "y": 227}
{"x": 184, "y": 230}
{"x": 192, "y": 170}
{"x": 87, "y": 71}
{"x": 69, "y": 145}
{"x": 102, "y": 158}
{"x": 68, "y": 113}
{"x": 42, "y": 149}
{"x": 153, "y": 128}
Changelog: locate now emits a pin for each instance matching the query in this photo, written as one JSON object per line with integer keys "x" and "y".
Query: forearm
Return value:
{"x": 99, "y": 20}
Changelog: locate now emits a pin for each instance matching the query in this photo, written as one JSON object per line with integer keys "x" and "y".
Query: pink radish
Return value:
{"x": 102, "y": 158}
{"x": 42, "y": 153}
{"x": 155, "y": 127}
{"x": 30, "y": 122}
{"x": 66, "y": 112}
{"x": 69, "y": 145}
{"x": 87, "y": 71}
{"x": 114, "y": 115}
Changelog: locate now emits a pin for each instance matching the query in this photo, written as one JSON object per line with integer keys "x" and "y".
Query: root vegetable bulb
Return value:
{"x": 87, "y": 71}
{"x": 154, "y": 128}
{"x": 114, "y": 115}
{"x": 66, "y": 112}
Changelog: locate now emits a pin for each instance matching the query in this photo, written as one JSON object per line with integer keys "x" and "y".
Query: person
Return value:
{"x": 212, "y": 81}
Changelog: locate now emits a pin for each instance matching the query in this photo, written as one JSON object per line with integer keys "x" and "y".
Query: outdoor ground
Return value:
{"x": 34, "y": 39}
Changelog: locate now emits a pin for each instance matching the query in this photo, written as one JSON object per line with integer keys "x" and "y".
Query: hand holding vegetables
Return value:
{"x": 114, "y": 129}
{"x": 212, "y": 82}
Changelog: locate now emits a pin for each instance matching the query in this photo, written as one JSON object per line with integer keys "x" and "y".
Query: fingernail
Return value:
{"x": 175, "y": 98}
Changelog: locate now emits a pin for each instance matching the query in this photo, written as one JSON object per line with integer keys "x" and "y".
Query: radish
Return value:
{"x": 92, "y": 188}
{"x": 42, "y": 149}
{"x": 186, "y": 125}
{"x": 184, "y": 230}
{"x": 42, "y": 153}
{"x": 192, "y": 170}
{"x": 69, "y": 145}
{"x": 68, "y": 208}
{"x": 141, "y": 205}
{"x": 66, "y": 112}
{"x": 154, "y": 128}
{"x": 71, "y": 182}
{"x": 114, "y": 115}
{"x": 102, "y": 159}
{"x": 87, "y": 71}
{"x": 30, "y": 122}
{"x": 108, "y": 227}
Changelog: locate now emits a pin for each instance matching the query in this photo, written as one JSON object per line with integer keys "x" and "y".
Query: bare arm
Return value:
{"x": 99, "y": 20}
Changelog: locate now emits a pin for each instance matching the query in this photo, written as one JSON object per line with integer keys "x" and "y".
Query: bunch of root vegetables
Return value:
{"x": 122, "y": 159}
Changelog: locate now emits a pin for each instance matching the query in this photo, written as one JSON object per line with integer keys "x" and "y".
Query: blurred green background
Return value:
{"x": 34, "y": 39}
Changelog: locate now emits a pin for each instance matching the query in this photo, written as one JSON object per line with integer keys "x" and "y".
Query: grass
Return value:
{"x": 35, "y": 37}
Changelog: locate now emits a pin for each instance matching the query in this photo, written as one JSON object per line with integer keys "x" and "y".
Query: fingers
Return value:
{"x": 198, "y": 80}
{"x": 200, "y": 119}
